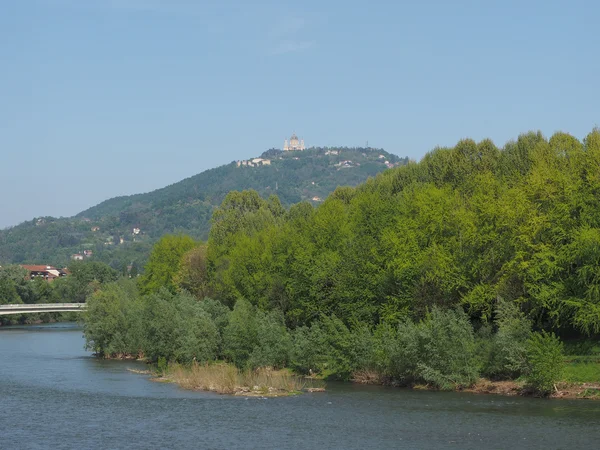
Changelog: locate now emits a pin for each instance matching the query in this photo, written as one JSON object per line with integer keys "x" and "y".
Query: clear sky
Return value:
{"x": 100, "y": 98}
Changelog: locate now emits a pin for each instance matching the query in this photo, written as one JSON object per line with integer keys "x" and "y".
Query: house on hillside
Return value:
{"x": 77, "y": 257}
{"x": 255, "y": 162}
{"x": 47, "y": 273}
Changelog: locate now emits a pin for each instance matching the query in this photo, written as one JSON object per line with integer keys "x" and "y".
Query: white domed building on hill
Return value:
{"x": 294, "y": 144}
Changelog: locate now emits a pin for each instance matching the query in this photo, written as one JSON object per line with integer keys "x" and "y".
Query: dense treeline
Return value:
{"x": 464, "y": 227}
{"x": 437, "y": 272}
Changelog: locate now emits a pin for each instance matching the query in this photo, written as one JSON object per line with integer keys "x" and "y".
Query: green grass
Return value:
{"x": 582, "y": 369}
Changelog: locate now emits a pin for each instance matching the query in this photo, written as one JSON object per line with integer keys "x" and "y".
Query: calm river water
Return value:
{"x": 53, "y": 394}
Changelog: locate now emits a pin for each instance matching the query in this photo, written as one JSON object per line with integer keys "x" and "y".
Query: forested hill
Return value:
{"x": 109, "y": 229}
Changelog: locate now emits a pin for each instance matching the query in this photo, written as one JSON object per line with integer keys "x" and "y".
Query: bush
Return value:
{"x": 397, "y": 353}
{"x": 112, "y": 323}
{"x": 274, "y": 343}
{"x": 362, "y": 349}
{"x": 338, "y": 348}
{"x": 177, "y": 328}
{"x": 447, "y": 350}
{"x": 219, "y": 313}
{"x": 197, "y": 336}
{"x": 240, "y": 335}
{"x": 439, "y": 351}
{"x": 309, "y": 349}
{"x": 160, "y": 326}
{"x": 506, "y": 354}
{"x": 545, "y": 362}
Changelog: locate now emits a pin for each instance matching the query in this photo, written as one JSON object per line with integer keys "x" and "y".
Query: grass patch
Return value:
{"x": 227, "y": 379}
{"x": 582, "y": 370}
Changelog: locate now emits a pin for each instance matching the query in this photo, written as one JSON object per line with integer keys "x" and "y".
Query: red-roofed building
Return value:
{"x": 48, "y": 273}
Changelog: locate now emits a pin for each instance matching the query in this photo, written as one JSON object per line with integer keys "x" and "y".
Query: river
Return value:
{"x": 54, "y": 394}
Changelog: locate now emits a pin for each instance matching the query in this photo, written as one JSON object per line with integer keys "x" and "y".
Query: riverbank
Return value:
{"x": 224, "y": 378}
{"x": 562, "y": 389}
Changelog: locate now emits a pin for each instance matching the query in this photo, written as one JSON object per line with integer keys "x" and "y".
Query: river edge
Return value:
{"x": 562, "y": 390}
{"x": 506, "y": 388}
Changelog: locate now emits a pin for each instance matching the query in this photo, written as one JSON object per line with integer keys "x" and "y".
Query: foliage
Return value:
{"x": 506, "y": 355}
{"x": 447, "y": 350}
{"x": 84, "y": 279}
{"x": 273, "y": 341}
{"x": 464, "y": 227}
{"x": 309, "y": 349}
{"x": 193, "y": 273}
{"x": 164, "y": 263}
{"x": 394, "y": 276}
{"x": 439, "y": 350}
{"x": 545, "y": 362}
{"x": 8, "y": 292}
{"x": 240, "y": 336}
{"x": 112, "y": 323}
{"x": 582, "y": 371}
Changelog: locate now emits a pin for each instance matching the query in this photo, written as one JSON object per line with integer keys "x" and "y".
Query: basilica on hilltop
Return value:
{"x": 294, "y": 144}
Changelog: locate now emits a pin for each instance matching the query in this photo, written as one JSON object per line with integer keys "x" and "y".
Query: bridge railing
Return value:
{"x": 41, "y": 307}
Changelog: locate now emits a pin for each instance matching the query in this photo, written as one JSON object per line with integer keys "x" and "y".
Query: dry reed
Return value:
{"x": 227, "y": 379}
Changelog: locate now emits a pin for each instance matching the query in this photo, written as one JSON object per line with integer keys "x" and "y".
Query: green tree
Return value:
{"x": 164, "y": 263}
{"x": 193, "y": 273}
{"x": 112, "y": 321}
{"x": 8, "y": 292}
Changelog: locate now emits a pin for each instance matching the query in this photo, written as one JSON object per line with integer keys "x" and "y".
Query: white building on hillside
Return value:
{"x": 294, "y": 144}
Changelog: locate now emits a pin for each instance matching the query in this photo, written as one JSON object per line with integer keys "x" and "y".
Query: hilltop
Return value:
{"x": 121, "y": 230}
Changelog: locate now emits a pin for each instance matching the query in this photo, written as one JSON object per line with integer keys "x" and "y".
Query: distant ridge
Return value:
{"x": 121, "y": 230}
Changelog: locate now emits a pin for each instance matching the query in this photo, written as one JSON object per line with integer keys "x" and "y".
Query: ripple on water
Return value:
{"x": 55, "y": 395}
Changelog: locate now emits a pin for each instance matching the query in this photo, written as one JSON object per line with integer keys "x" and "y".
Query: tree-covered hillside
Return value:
{"x": 121, "y": 231}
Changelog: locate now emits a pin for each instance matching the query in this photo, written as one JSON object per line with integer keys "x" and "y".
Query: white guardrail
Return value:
{"x": 41, "y": 307}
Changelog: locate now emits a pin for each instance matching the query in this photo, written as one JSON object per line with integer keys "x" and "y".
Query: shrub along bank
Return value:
{"x": 442, "y": 350}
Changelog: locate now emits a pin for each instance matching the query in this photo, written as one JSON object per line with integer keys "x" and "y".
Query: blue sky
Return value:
{"x": 100, "y": 98}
